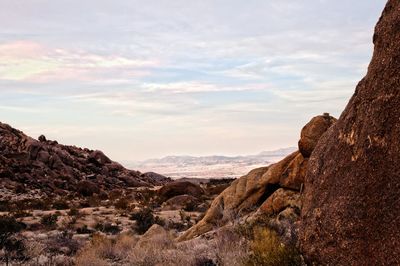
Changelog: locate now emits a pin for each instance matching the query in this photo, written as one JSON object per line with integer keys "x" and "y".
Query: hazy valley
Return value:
{"x": 209, "y": 166}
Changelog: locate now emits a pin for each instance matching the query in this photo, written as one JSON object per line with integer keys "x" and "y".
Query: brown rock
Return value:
{"x": 280, "y": 200}
{"x": 156, "y": 235}
{"x": 293, "y": 175}
{"x": 312, "y": 131}
{"x": 36, "y": 164}
{"x": 249, "y": 192}
{"x": 87, "y": 188}
{"x": 351, "y": 213}
{"x": 99, "y": 157}
{"x": 179, "y": 202}
{"x": 180, "y": 188}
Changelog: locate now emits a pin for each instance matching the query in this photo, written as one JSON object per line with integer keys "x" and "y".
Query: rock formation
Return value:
{"x": 26, "y": 163}
{"x": 177, "y": 188}
{"x": 274, "y": 188}
{"x": 351, "y": 211}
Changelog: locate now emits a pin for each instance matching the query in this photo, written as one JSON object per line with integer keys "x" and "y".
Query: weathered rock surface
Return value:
{"x": 53, "y": 168}
{"x": 312, "y": 131}
{"x": 177, "y": 188}
{"x": 179, "y": 202}
{"x": 351, "y": 211}
{"x": 154, "y": 234}
{"x": 265, "y": 186}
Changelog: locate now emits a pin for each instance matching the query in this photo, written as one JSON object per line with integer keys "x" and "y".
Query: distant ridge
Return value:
{"x": 214, "y": 166}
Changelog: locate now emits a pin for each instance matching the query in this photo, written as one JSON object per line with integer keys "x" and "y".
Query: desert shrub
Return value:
{"x": 204, "y": 262}
{"x": 108, "y": 228}
{"x": 4, "y": 206}
{"x": 62, "y": 244}
{"x": 101, "y": 249}
{"x": 73, "y": 212}
{"x": 103, "y": 195}
{"x": 49, "y": 221}
{"x": 231, "y": 248}
{"x": 115, "y": 194}
{"x": 11, "y": 245}
{"x": 35, "y": 226}
{"x": 8, "y": 227}
{"x": 61, "y": 205}
{"x": 124, "y": 244}
{"x": 148, "y": 197}
{"x": 178, "y": 226}
{"x": 83, "y": 230}
{"x": 267, "y": 249}
{"x": 170, "y": 253}
{"x": 122, "y": 204}
{"x": 35, "y": 204}
{"x": 145, "y": 219}
{"x": 20, "y": 214}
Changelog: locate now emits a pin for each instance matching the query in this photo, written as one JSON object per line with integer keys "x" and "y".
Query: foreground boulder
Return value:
{"x": 274, "y": 188}
{"x": 351, "y": 211}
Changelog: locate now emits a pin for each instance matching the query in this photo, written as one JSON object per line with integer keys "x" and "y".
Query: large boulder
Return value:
{"x": 312, "y": 131}
{"x": 351, "y": 211}
{"x": 180, "y": 202}
{"x": 282, "y": 181}
{"x": 279, "y": 201}
{"x": 180, "y": 188}
{"x": 247, "y": 193}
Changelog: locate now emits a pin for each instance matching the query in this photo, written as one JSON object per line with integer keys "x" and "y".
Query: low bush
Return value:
{"x": 267, "y": 249}
{"x": 73, "y": 212}
{"x": 122, "y": 204}
{"x": 84, "y": 230}
{"x": 49, "y": 221}
{"x": 61, "y": 205}
{"x": 108, "y": 228}
{"x": 100, "y": 250}
{"x": 13, "y": 247}
{"x": 145, "y": 219}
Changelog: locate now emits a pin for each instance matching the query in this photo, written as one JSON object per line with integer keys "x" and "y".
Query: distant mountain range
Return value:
{"x": 215, "y": 166}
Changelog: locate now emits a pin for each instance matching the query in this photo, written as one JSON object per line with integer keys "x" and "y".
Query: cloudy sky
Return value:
{"x": 144, "y": 79}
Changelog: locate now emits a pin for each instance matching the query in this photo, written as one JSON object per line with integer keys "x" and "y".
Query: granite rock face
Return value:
{"x": 45, "y": 165}
{"x": 267, "y": 190}
{"x": 312, "y": 131}
{"x": 351, "y": 206}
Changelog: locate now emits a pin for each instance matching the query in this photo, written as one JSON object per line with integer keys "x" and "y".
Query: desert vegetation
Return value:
{"x": 123, "y": 227}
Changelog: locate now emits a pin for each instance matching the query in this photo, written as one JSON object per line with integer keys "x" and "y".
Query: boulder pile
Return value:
{"x": 270, "y": 190}
{"x": 45, "y": 165}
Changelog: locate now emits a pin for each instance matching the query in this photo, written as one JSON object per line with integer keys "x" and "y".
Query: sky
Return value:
{"x": 147, "y": 79}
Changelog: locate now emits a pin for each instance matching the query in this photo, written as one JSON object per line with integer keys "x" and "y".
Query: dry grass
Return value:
{"x": 267, "y": 249}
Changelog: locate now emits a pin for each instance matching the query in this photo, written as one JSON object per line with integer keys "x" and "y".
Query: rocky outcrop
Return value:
{"x": 54, "y": 168}
{"x": 266, "y": 187}
{"x": 180, "y": 202}
{"x": 312, "y": 131}
{"x": 351, "y": 211}
{"x": 177, "y": 188}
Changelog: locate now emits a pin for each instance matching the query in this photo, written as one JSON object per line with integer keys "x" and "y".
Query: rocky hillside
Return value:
{"x": 271, "y": 191}
{"x": 351, "y": 212}
{"x": 50, "y": 168}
